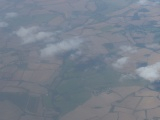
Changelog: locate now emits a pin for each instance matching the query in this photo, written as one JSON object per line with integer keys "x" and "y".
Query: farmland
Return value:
{"x": 78, "y": 60}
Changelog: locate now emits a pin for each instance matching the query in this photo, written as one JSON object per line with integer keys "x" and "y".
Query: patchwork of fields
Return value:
{"x": 79, "y": 59}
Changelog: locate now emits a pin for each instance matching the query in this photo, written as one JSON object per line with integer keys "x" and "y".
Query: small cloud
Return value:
{"x": 32, "y": 34}
{"x": 120, "y": 62}
{"x": 153, "y": 46}
{"x": 61, "y": 47}
{"x": 75, "y": 55}
{"x": 142, "y": 2}
{"x": 126, "y": 77}
{"x": 11, "y": 15}
{"x": 3, "y": 24}
{"x": 148, "y": 2}
{"x": 150, "y": 73}
{"x": 128, "y": 49}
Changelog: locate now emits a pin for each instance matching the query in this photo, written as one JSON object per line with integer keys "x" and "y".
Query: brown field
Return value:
{"x": 33, "y": 88}
{"x": 27, "y": 75}
{"x": 18, "y": 75}
{"x": 56, "y": 21}
{"x": 13, "y": 89}
{"x": 9, "y": 111}
{"x": 41, "y": 76}
{"x": 128, "y": 107}
{"x": 23, "y": 70}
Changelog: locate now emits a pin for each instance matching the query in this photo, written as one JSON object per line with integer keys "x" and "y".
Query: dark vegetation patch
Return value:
{"x": 19, "y": 99}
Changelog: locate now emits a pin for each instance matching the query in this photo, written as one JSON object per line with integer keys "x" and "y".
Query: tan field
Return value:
{"x": 45, "y": 84}
{"x": 112, "y": 106}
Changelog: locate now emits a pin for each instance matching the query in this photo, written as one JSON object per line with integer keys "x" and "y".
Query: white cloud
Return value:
{"x": 150, "y": 73}
{"x": 153, "y": 46}
{"x": 120, "y": 62}
{"x": 128, "y": 49}
{"x": 61, "y": 47}
{"x": 32, "y": 34}
{"x": 3, "y": 24}
{"x": 126, "y": 77}
{"x": 11, "y": 15}
{"x": 142, "y": 2}
{"x": 149, "y": 2}
{"x": 75, "y": 55}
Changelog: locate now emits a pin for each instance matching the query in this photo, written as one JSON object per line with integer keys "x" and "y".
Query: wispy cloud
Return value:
{"x": 142, "y": 2}
{"x": 128, "y": 49}
{"x": 11, "y": 15}
{"x": 150, "y": 73}
{"x": 126, "y": 77}
{"x": 3, "y": 24}
{"x": 75, "y": 55}
{"x": 32, "y": 34}
{"x": 153, "y": 46}
{"x": 120, "y": 62}
{"x": 61, "y": 47}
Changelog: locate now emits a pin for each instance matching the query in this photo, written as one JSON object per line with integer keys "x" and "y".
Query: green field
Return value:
{"x": 33, "y": 104}
{"x": 79, "y": 80}
{"x": 19, "y": 99}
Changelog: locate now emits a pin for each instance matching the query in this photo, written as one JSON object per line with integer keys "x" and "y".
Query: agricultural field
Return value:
{"x": 79, "y": 59}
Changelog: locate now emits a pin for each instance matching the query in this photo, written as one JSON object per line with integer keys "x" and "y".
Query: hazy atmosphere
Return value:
{"x": 79, "y": 59}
